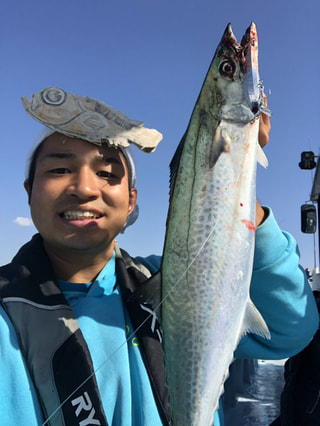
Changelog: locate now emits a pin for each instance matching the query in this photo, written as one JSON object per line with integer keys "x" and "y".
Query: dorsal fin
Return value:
{"x": 174, "y": 165}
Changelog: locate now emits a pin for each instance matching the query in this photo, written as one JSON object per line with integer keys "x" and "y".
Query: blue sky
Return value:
{"x": 148, "y": 59}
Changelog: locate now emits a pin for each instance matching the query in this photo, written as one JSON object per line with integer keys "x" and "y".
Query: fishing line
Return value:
{"x": 90, "y": 376}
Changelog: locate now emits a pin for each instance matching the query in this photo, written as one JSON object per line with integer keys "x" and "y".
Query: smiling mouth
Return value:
{"x": 77, "y": 215}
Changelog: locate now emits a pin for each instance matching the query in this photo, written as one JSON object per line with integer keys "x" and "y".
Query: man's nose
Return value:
{"x": 84, "y": 184}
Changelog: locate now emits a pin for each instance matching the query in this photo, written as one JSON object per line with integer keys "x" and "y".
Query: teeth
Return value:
{"x": 79, "y": 215}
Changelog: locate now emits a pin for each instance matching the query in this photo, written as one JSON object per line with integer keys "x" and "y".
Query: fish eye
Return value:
{"x": 227, "y": 68}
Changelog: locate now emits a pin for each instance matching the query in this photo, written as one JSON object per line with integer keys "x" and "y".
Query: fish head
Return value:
{"x": 233, "y": 78}
{"x": 227, "y": 73}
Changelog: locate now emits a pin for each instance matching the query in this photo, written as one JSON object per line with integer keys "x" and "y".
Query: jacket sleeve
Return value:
{"x": 281, "y": 292}
{"x": 18, "y": 401}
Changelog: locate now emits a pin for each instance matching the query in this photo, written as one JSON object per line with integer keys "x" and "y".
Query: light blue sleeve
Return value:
{"x": 282, "y": 294}
{"x": 152, "y": 262}
{"x": 18, "y": 401}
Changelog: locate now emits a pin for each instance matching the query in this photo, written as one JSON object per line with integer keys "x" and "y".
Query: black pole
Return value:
{"x": 315, "y": 197}
{"x": 318, "y": 228}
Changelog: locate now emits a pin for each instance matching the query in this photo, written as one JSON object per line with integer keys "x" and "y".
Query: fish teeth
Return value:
{"x": 79, "y": 215}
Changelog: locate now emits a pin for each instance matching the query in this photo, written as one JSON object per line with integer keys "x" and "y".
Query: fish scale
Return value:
{"x": 208, "y": 252}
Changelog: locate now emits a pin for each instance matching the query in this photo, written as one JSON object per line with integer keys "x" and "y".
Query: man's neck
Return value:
{"x": 79, "y": 267}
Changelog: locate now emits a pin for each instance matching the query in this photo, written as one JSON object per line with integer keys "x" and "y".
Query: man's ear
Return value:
{"x": 27, "y": 188}
{"x": 26, "y": 185}
{"x": 132, "y": 200}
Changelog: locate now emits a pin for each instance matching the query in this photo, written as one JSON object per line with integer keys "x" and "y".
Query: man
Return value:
{"x": 76, "y": 349}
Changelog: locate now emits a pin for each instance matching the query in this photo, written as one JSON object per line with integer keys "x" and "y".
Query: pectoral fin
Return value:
{"x": 254, "y": 323}
{"x": 221, "y": 143}
{"x": 261, "y": 157}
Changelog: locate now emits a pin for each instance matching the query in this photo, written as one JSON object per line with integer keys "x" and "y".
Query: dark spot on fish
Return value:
{"x": 255, "y": 109}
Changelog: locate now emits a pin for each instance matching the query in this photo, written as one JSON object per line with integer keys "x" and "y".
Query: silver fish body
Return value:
{"x": 208, "y": 253}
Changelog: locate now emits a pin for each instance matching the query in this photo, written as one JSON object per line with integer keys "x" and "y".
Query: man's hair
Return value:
{"x": 32, "y": 168}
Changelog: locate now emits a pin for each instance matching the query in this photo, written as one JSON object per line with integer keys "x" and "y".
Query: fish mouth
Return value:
{"x": 249, "y": 40}
{"x": 239, "y": 64}
{"x": 247, "y": 56}
{"x": 243, "y": 50}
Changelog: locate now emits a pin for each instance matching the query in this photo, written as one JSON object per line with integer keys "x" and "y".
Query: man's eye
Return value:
{"x": 105, "y": 175}
{"x": 60, "y": 171}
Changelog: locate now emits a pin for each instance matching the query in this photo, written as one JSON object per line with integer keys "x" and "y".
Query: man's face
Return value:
{"x": 80, "y": 195}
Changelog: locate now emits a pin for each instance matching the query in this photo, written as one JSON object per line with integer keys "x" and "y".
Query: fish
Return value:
{"x": 89, "y": 119}
{"x": 209, "y": 244}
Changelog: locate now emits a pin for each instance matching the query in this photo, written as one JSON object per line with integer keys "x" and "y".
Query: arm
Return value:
{"x": 282, "y": 294}
{"x": 17, "y": 394}
{"x": 279, "y": 286}
{"x": 280, "y": 291}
